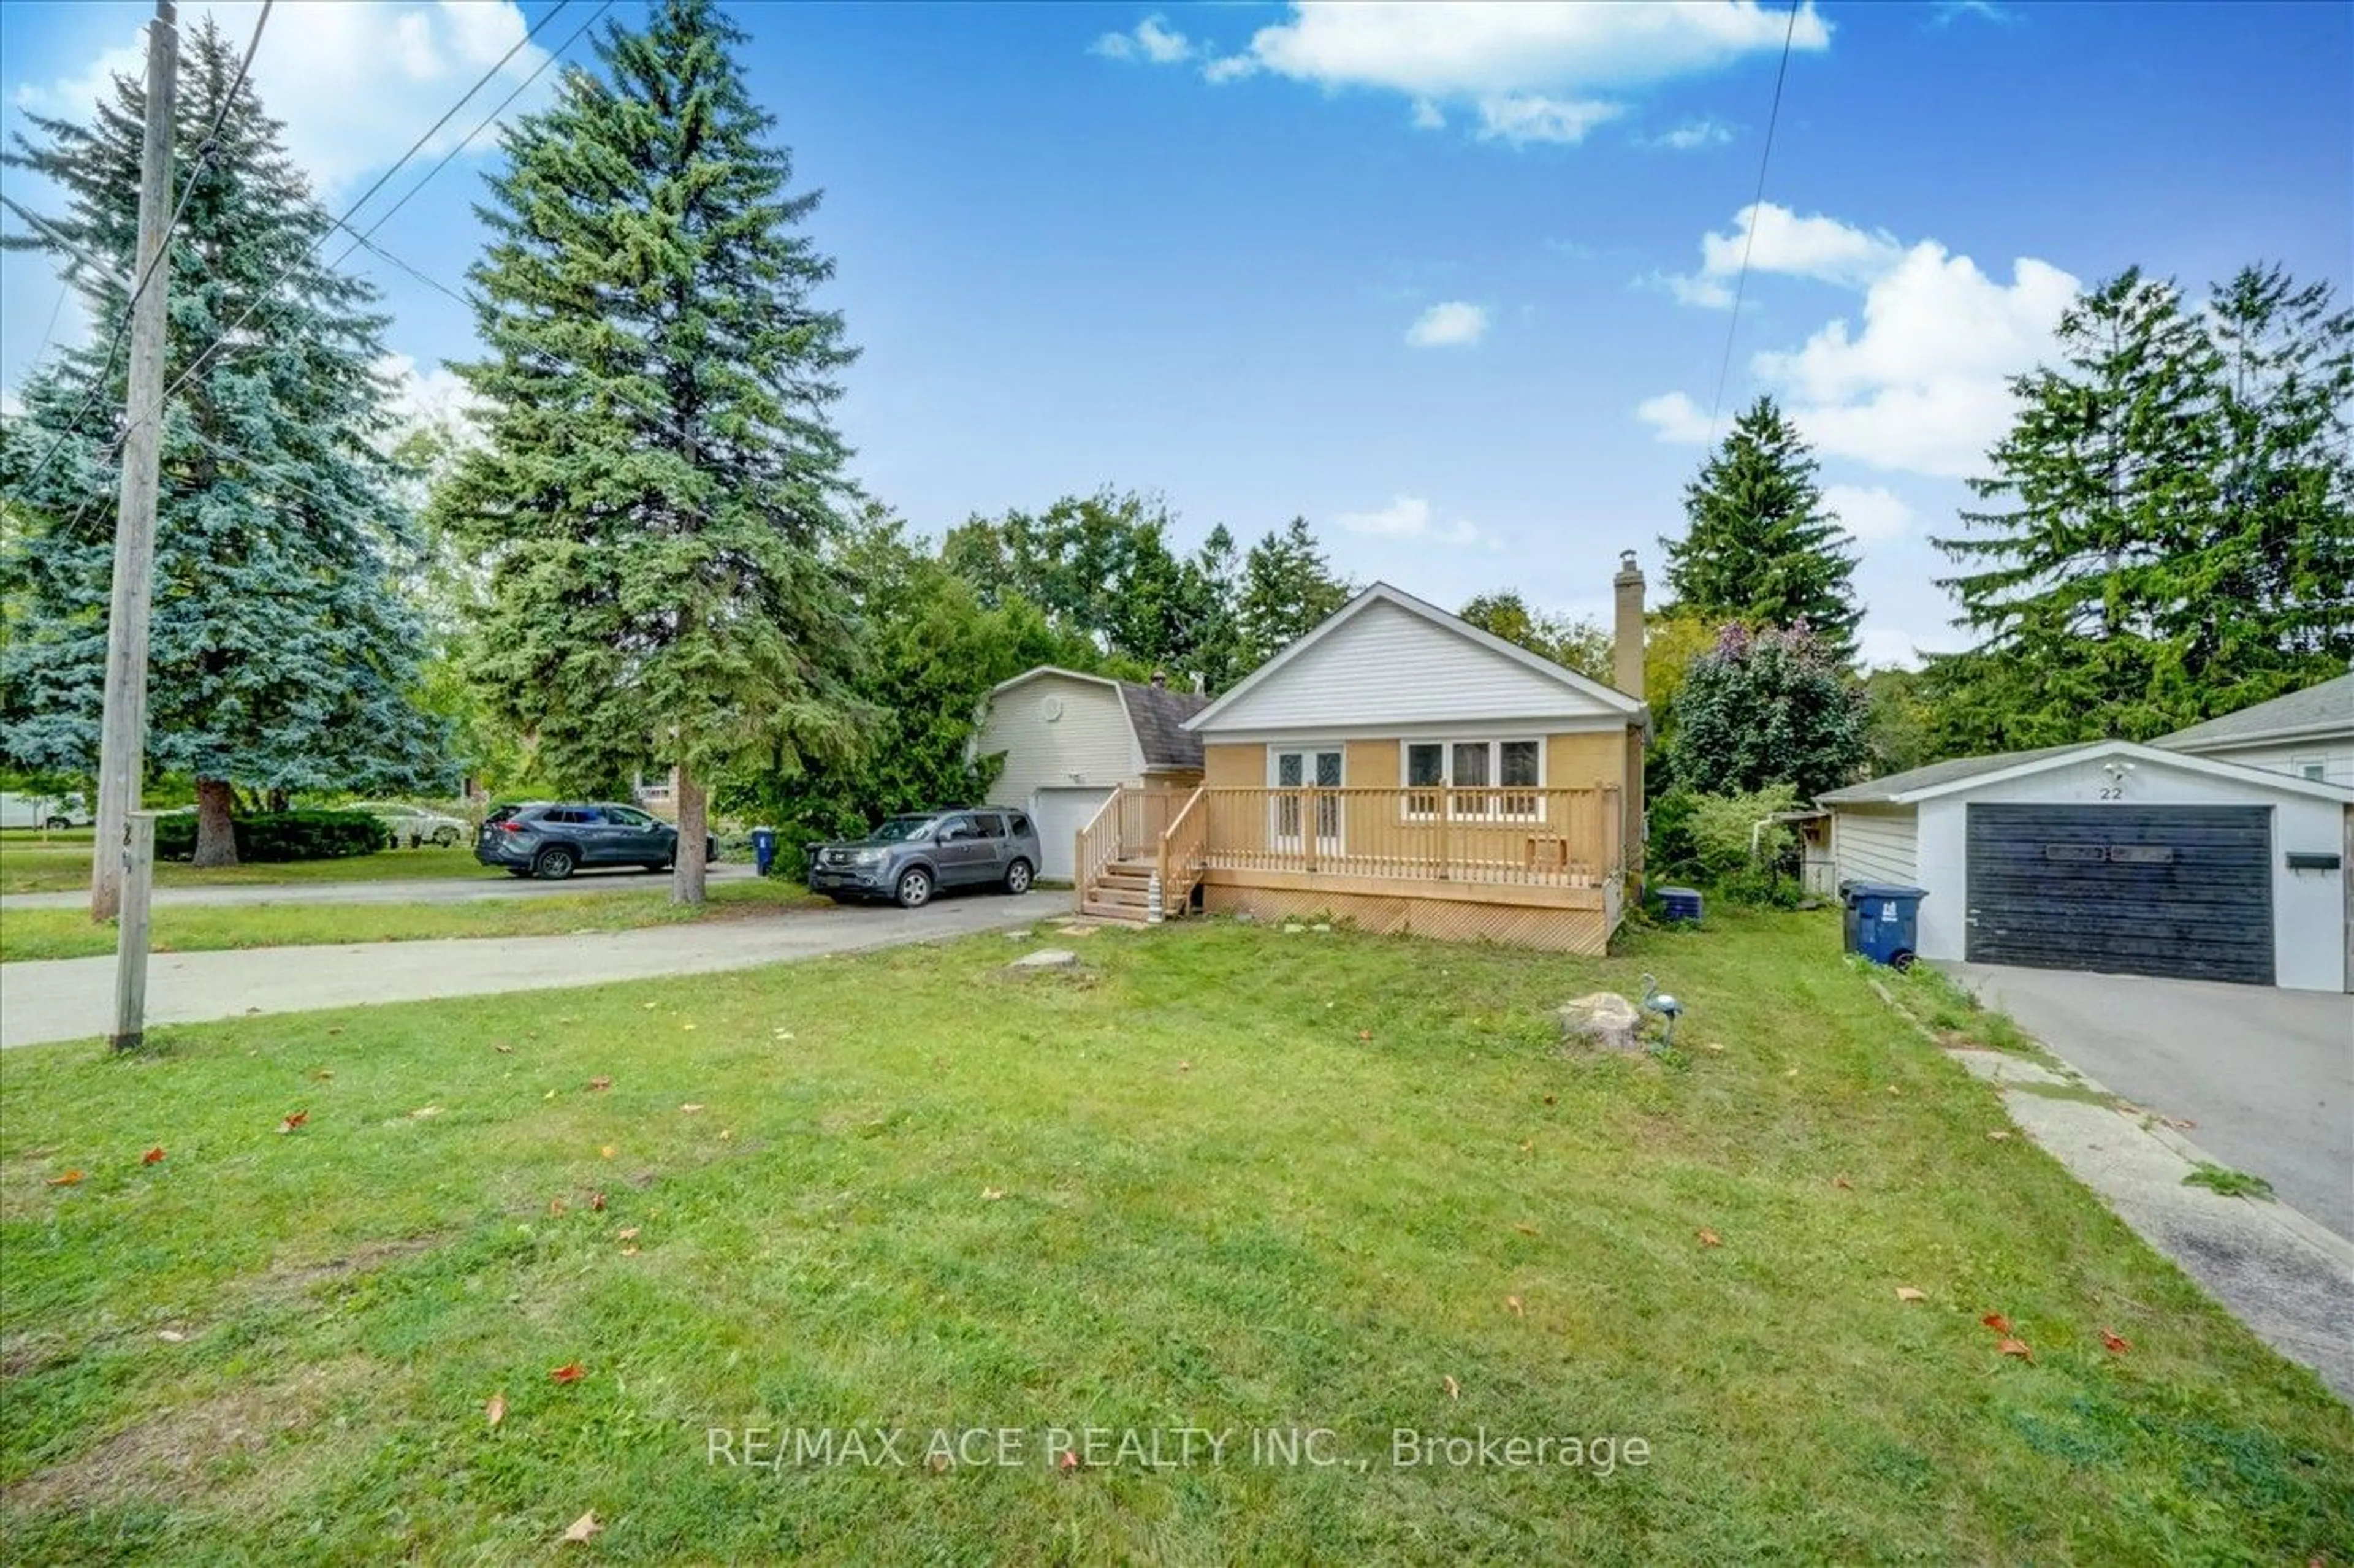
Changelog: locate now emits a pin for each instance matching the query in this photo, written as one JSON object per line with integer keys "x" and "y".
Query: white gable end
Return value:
{"x": 1385, "y": 667}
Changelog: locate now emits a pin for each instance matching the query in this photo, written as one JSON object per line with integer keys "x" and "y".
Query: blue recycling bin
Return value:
{"x": 764, "y": 849}
{"x": 1882, "y": 921}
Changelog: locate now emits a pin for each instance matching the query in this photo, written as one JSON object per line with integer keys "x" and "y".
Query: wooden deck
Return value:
{"x": 1531, "y": 866}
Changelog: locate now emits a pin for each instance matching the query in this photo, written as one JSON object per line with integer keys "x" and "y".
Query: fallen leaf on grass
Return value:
{"x": 1454, "y": 1389}
{"x": 626, "y": 1233}
{"x": 495, "y": 1411}
{"x": 1184, "y": 1066}
{"x": 1906, "y": 1293}
{"x": 650, "y": 1006}
{"x": 421, "y": 1112}
{"x": 2015, "y": 1348}
{"x": 291, "y": 1122}
{"x": 1842, "y": 1184}
{"x": 1709, "y": 1238}
{"x": 556, "y": 1205}
{"x": 1715, "y": 1045}
{"x": 725, "y": 1133}
{"x": 1364, "y": 1034}
{"x": 991, "y": 1195}
{"x": 1070, "y": 1461}
{"x": 324, "y": 1075}
{"x": 606, "y": 1153}
{"x": 153, "y": 1157}
{"x": 1791, "y": 1073}
{"x": 690, "y": 1107}
{"x": 1522, "y": 1226}
{"x": 570, "y": 1371}
{"x": 170, "y": 1336}
{"x": 597, "y": 1203}
{"x": 1998, "y": 1135}
{"x": 629, "y": 1251}
{"x": 71, "y": 1179}
{"x": 1997, "y": 1321}
{"x": 686, "y": 1026}
{"x": 503, "y": 1050}
{"x": 1519, "y": 1310}
{"x": 1528, "y": 1145}
{"x": 2114, "y": 1342}
{"x": 584, "y": 1527}
{"x": 600, "y": 1083}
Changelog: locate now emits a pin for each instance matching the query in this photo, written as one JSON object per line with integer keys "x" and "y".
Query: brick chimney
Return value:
{"x": 1627, "y": 630}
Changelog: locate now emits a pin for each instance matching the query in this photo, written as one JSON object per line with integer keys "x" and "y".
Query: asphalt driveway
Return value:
{"x": 488, "y": 883}
{"x": 72, "y": 998}
{"x": 2267, "y": 1076}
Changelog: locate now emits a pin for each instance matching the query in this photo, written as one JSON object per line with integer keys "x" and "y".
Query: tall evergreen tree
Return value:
{"x": 1214, "y": 579}
{"x": 282, "y": 657}
{"x": 659, "y": 477}
{"x": 1286, "y": 590}
{"x": 1759, "y": 547}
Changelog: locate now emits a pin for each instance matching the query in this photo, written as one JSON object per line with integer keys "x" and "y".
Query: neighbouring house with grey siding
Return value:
{"x": 1068, "y": 740}
{"x": 2308, "y": 734}
{"x": 2115, "y": 857}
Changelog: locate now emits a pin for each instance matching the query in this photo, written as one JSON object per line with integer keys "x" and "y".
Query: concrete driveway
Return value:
{"x": 2267, "y": 1076}
{"x": 490, "y": 884}
{"x": 73, "y": 998}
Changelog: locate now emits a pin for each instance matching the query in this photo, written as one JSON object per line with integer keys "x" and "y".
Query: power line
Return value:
{"x": 1741, "y": 279}
{"x": 196, "y": 365}
{"x": 465, "y": 141}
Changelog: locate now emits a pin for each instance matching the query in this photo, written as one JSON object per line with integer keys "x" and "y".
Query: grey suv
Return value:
{"x": 553, "y": 838}
{"x": 906, "y": 859}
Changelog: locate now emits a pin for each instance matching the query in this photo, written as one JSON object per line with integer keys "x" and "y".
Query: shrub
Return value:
{"x": 278, "y": 836}
{"x": 1722, "y": 828}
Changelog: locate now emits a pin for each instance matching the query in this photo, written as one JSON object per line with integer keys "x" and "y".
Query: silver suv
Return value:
{"x": 909, "y": 858}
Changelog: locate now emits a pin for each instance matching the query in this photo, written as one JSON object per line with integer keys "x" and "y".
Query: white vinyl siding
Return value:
{"x": 2293, "y": 758}
{"x": 1090, "y": 738}
{"x": 1875, "y": 846}
{"x": 1388, "y": 669}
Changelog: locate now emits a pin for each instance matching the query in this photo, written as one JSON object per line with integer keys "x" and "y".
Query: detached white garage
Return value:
{"x": 2114, "y": 857}
{"x": 1067, "y": 740}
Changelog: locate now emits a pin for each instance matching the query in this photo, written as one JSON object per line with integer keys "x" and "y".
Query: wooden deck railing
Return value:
{"x": 1096, "y": 846}
{"x": 1525, "y": 836}
{"x": 1184, "y": 846}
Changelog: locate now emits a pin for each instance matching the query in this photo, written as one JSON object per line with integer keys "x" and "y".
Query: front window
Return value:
{"x": 902, "y": 829}
{"x": 1476, "y": 778}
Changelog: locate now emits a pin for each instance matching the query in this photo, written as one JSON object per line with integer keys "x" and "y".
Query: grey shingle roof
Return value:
{"x": 1158, "y": 714}
{"x": 1953, "y": 772}
{"x": 2330, "y": 704}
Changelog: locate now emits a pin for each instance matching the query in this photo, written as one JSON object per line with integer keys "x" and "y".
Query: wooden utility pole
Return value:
{"x": 122, "y": 740}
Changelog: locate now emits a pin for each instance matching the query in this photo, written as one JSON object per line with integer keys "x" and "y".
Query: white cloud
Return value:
{"x": 1532, "y": 71}
{"x": 1153, "y": 40}
{"x": 1454, "y": 323}
{"x": 1884, "y": 647}
{"x": 1922, "y": 386}
{"x": 354, "y": 83}
{"x": 1427, "y": 116}
{"x": 1410, "y": 517}
{"x": 1692, "y": 135}
{"x": 1523, "y": 118}
{"x": 1868, "y": 514}
{"x": 433, "y": 394}
{"x": 1675, "y": 418}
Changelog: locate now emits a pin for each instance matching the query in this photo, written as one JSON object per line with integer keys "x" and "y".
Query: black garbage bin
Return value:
{"x": 1882, "y": 920}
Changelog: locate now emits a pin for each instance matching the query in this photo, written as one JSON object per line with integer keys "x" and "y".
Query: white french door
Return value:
{"x": 1294, "y": 768}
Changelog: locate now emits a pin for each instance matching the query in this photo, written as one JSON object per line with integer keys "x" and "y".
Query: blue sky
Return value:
{"x": 1451, "y": 282}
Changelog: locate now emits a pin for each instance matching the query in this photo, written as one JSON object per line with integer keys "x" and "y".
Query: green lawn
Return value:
{"x": 29, "y": 865}
{"x": 30, "y": 933}
{"x": 1226, "y": 1178}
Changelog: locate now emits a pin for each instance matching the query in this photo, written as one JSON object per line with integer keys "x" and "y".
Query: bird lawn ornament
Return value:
{"x": 1667, "y": 1006}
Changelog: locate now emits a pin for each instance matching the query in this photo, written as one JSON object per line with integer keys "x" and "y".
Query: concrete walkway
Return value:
{"x": 72, "y": 998}
{"x": 392, "y": 890}
{"x": 2289, "y": 1279}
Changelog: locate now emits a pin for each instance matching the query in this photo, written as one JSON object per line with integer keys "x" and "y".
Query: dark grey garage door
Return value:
{"x": 2184, "y": 891}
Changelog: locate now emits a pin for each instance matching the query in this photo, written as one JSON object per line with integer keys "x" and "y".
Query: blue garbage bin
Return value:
{"x": 764, "y": 849}
{"x": 1882, "y": 921}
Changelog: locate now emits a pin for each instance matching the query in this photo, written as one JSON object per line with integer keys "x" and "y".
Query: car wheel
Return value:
{"x": 445, "y": 838}
{"x": 653, "y": 865}
{"x": 914, "y": 887}
{"x": 710, "y": 851}
{"x": 56, "y": 823}
{"x": 555, "y": 864}
{"x": 1017, "y": 877}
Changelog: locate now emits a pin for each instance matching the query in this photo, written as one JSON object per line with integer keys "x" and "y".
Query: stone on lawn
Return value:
{"x": 1604, "y": 1019}
{"x": 1045, "y": 958}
